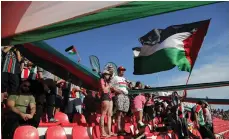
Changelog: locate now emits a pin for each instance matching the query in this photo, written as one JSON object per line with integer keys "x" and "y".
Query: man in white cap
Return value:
{"x": 122, "y": 102}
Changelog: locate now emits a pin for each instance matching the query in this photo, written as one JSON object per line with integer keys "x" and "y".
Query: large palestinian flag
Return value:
{"x": 163, "y": 49}
{"x": 33, "y": 21}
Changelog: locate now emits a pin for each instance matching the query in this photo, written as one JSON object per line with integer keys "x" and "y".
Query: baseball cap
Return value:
{"x": 121, "y": 68}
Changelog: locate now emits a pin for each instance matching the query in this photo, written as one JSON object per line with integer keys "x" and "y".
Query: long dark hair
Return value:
{"x": 106, "y": 80}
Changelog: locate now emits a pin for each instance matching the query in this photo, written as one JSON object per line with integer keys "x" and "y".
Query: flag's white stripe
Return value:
{"x": 136, "y": 53}
{"x": 41, "y": 13}
{"x": 71, "y": 51}
{"x": 174, "y": 41}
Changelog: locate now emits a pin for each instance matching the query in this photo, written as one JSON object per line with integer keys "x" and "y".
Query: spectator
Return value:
{"x": 48, "y": 80}
{"x": 11, "y": 59}
{"x": 122, "y": 102}
{"x": 61, "y": 84}
{"x": 90, "y": 105}
{"x": 106, "y": 103}
{"x": 37, "y": 88}
{"x": 22, "y": 109}
{"x": 138, "y": 104}
{"x": 74, "y": 102}
{"x": 149, "y": 112}
{"x": 200, "y": 122}
{"x": 26, "y": 67}
{"x": 207, "y": 116}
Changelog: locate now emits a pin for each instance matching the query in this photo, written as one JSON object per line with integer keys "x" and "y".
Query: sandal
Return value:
{"x": 112, "y": 134}
{"x": 105, "y": 136}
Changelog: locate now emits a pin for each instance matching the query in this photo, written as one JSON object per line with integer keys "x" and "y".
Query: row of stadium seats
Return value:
{"x": 53, "y": 132}
{"x": 78, "y": 132}
{"x": 80, "y": 129}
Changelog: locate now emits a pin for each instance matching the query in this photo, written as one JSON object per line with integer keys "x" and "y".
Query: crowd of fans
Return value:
{"x": 30, "y": 92}
{"x": 220, "y": 114}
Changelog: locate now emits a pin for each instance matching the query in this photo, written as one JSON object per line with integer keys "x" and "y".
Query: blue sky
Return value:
{"x": 114, "y": 43}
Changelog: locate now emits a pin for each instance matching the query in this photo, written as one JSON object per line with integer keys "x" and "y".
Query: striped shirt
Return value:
{"x": 10, "y": 64}
{"x": 119, "y": 83}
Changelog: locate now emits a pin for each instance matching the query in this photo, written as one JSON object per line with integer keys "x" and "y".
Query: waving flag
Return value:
{"x": 163, "y": 49}
{"x": 94, "y": 61}
{"x": 51, "y": 19}
{"x": 72, "y": 51}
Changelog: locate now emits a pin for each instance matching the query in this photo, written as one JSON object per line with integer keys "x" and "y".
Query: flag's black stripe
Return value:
{"x": 69, "y": 48}
{"x": 159, "y": 35}
{"x": 136, "y": 48}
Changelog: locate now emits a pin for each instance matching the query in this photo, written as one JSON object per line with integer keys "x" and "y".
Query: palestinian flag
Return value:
{"x": 33, "y": 73}
{"x": 71, "y": 50}
{"x": 163, "y": 49}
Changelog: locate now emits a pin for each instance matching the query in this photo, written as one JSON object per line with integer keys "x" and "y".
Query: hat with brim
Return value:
{"x": 121, "y": 68}
{"x": 105, "y": 72}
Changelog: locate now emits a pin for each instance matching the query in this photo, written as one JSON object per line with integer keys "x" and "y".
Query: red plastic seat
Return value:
{"x": 80, "y": 132}
{"x": 79, "y": 119}
{"x": 55, "y": 132}
{"x": 127, "y": 128}
{"x": 61, "y": 117}
{"x": 92, "y": 120}
{"x": 163, "y": 137}
{"x": 148, "y": 132}
{"x": 26, "y": 132}
{"x": 96, "y": 132}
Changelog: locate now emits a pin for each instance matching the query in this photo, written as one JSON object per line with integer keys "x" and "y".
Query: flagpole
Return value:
{"x": 78, "y": 57}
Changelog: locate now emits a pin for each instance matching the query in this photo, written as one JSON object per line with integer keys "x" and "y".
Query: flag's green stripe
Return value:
{"x": 161, "y": 60}
{"x": 71, "y": 53}
{"x": 127, "y": 12}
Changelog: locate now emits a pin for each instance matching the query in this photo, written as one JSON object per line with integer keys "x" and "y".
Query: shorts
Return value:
{"x": 122, "y": 103}
{"x": 10, "y": 82}
{"x": 106, "y": 97}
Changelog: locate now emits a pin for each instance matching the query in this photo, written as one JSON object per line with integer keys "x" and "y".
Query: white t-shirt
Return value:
{"x": 119, "y": 83}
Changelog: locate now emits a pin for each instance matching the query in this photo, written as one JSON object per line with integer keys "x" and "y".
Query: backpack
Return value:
{"x": 193, "y": 114}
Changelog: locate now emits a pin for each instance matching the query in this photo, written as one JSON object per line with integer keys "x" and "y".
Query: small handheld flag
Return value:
{"x": 72, "y": 51}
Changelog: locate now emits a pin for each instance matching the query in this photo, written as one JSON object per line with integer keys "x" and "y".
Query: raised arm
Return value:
{"x": 7, "y": 49}
{"x": 18, "y": 55}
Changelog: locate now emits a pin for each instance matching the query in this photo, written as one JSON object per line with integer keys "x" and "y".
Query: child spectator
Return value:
{"x": 137, "y": 106}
